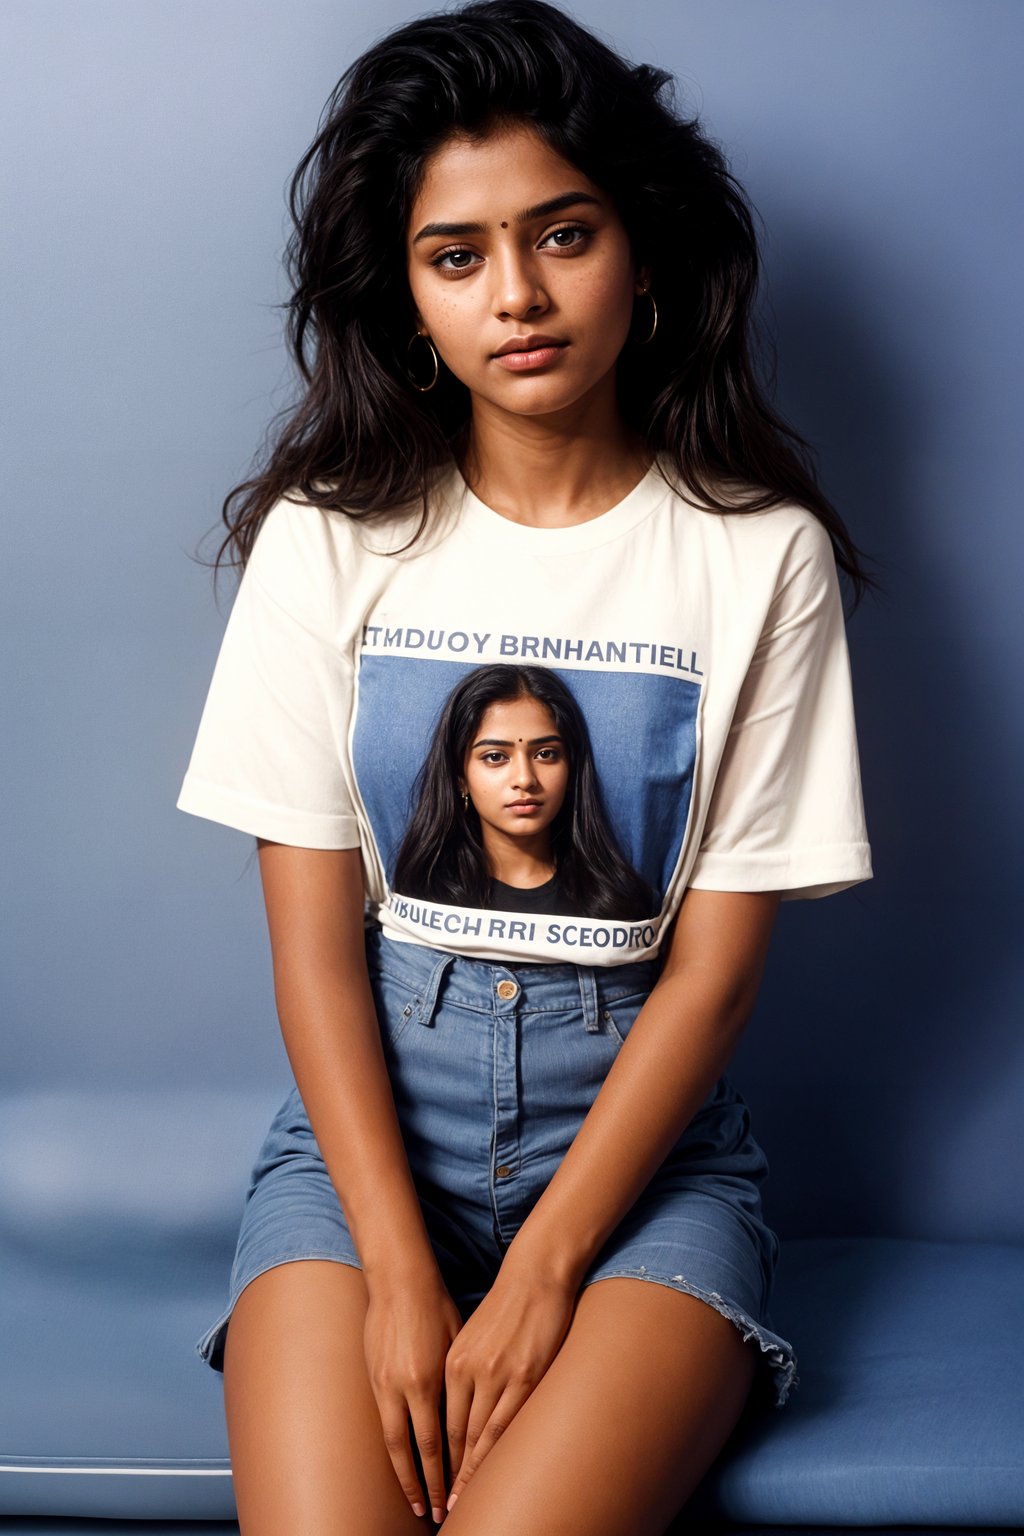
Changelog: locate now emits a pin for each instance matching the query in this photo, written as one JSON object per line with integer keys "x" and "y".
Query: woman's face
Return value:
{"x": 519, "y": 267}
{"x": 516, "y": 768}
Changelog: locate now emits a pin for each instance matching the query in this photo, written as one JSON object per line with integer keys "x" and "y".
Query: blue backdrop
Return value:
{"x": 148, "y": 148}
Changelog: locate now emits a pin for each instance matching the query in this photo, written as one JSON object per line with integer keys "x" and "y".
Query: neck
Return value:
{"x": 553, "y": 472}
{"x": 520, "y": 862}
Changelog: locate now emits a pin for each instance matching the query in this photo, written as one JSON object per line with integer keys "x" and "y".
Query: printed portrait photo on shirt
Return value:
{"x": 510, "y": 772}
{"x": 633, "y": 748}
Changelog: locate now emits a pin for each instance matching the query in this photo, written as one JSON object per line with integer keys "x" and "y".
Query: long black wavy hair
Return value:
{"x": 361, "y": 439}
{"x": 442, "y": 858}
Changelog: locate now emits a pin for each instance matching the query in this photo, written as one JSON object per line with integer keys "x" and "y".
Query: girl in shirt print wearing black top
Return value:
{"x": 508, "y": 807}
{"x": 513, "y": 255}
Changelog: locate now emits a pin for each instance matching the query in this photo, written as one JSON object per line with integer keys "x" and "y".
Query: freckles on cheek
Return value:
{"x": 599, "y": 296}
{"x": 445, "y": 320}
{"x": 450, "y": 316}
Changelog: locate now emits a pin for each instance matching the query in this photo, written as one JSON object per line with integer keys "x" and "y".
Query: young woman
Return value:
{"x": 508, "y": 806}
{"x": 504, "y": 1239}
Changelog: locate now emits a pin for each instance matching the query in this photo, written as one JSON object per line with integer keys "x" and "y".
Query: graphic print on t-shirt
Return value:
{"x": 643, "y": 730}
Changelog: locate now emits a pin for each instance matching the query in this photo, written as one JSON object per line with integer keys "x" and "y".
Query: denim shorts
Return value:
{"x": 493, "y": 1068}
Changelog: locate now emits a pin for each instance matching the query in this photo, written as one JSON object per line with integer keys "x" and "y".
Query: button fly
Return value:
{"x": 507, "y": 989}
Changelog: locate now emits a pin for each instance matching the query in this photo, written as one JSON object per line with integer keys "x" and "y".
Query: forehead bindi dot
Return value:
{"x": 504, "y": 223}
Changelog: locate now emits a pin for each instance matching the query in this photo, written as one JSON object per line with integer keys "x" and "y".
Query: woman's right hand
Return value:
{"x": 409, "y": 1330}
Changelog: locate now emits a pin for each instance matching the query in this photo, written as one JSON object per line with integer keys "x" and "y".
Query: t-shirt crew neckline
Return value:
{"x": 617, "y": 520}
{"x": 545, "y": 885}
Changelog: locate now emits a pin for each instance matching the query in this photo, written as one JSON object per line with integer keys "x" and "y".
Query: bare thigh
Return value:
{"x": 634, "y": 1408}
{"x": 307, "y": 1447}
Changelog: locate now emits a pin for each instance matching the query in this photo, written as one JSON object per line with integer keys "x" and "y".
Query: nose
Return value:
{"x": 524, "y": 776}
{"x": 517, "y": 286}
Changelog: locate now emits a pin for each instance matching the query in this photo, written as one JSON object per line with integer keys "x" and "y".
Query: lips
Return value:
{"x": 519, "y": 805}
{"x": 528, "y": 344}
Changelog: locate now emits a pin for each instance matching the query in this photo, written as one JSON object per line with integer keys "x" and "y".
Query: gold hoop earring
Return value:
{"x": 647, "y": 294}
{"x": 419, "y": 335}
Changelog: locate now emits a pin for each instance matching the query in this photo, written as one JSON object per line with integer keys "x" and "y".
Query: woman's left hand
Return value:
{"x": 496, "y": 1359}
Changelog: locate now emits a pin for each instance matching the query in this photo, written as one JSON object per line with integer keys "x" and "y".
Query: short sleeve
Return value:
{"x": 786, "y": 810}
{"x": 268, "y": 757}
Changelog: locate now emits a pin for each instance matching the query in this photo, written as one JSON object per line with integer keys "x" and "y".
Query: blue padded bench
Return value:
{"x": 909, "y": 1409}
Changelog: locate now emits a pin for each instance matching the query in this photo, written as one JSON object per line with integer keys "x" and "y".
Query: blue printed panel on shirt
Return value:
{"x": 642, "y": 728}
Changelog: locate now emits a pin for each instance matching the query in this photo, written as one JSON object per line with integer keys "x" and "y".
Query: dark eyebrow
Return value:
{"x": 492, "y": 741}
{"x": 524, "y": 216}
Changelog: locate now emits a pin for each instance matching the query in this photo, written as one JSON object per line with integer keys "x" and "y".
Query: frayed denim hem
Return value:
{"x": 777, "y": 1351}
{"x": 210, "y": 1347}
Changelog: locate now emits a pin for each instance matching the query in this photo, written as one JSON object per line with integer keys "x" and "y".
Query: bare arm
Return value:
{"x": 325, "y": 1004}
{"x": 677, "y": 1047}
{"x": 314, "y": 903}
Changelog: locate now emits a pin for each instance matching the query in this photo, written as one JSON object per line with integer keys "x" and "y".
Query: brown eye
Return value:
{"x": 453, "y": 251}
{"x": 571, "y": 229}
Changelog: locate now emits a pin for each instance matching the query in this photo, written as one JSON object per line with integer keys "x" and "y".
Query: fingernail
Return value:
{"x": 451, "y": 1501}
{"x": 438, "y": 1514}
{"x": 419, "y": 1509}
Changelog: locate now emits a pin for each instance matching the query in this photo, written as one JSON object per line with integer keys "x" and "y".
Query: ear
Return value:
{"x": 643, "y": 278}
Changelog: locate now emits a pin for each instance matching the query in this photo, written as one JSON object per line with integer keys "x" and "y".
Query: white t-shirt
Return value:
{"x": 706, "y": 651}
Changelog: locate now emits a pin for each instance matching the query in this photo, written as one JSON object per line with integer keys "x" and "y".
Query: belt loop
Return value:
{"x": 588, "y": 997}
{"x": 429, "y": 999}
